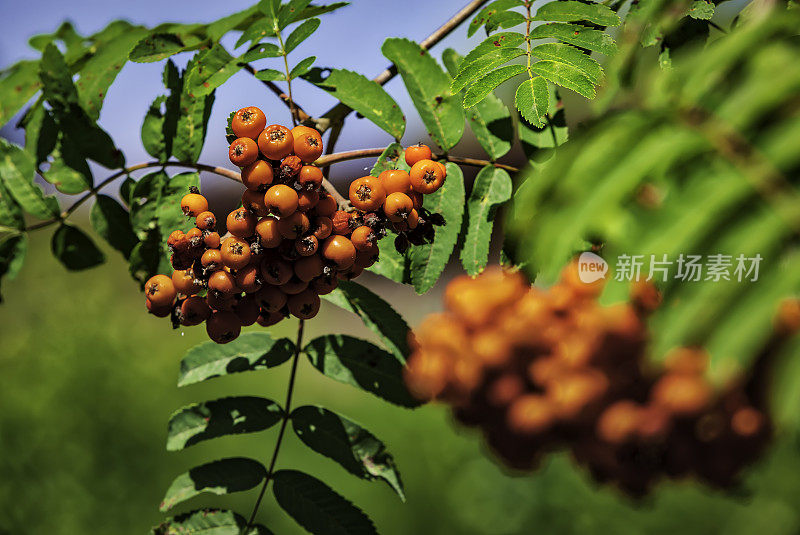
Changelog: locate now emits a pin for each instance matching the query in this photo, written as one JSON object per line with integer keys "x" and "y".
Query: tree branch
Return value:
{"x": 330, "y": 159}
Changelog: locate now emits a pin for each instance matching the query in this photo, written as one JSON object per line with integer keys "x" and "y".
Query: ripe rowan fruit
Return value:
{"x": 681, "y": 394}
{"x": 307, "y": 245}
{"x": 257, "y": 176}
{"x": 787, "y": 320}
{"x": 426, "y": 177}
{"x": 253, "y": 202}
{"x": 246, "y": 309}
{"x": 395, "y": 181}
{"x": 364, "y": 238}
{"x": 340, "y": 251}
{"x": 304, "y": 305}
{"x": 206, "y": 221}
{"x": 248, "y": 122}
{"x": 271, "y": 298}
{"x": 218, "y": 301}
{"x": 367, "y": 193}
{"x": 397, "y": 207}
{"x": 276, "y": 271}
{"x": 223, "y": 327}
{"x": 290, "y": 167}
{"x": 747, "y": 421}
{"x": 249, "y": 279}
{"x": 322, "y": 228}
{"x": 270, "y": 318}
{"x": 294, "y": 225}
{"x": 281, "y": 200}
{"x": 268, "y": 233}
{"x": 194, "y": 311}
{"x": 184, "y": 282}
{"x": 325, "y": 284}
{"x": 308, "y": 267}
{"x": 293, "y": 286}
{"x": 176, "y": 241}
{"x": 159, "y": 312}
{"x": 350, "y": 273}
{"x": 223, "y": 282}
{"x": 211, "y": 260}
{"x": 326, "y": 206}
{"x": 427, "y": 376}
{"x": 235, "y": 253}
{"x": 241, "y": 223}
{"x": 443, "y": 167}
{"x": 306, "y": 200}
{"x": 365, "y": 259}
{"x": 276, "y": 142}
{"x": 195, "y": 238}
{"x": 619, "y": 421}
{"x": 243, "y": 151}
{"x": 505, "y": 389}
{"x": 193, "y": 204}
{"x": 308, "y": 144}
{"x": 342, "y": 223}
{"x": 310, "y": 177}
{"x": 415, "y": 153}
{"x": 530, "y": 414}
{"x": 160, "y": 290}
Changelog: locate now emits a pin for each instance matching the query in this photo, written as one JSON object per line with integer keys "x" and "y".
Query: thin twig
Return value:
{"x": 331, "y": 159}
{"x": 292, "y": 107}
{"x": 272, "y": 86}
{"x": 287, "y": 410}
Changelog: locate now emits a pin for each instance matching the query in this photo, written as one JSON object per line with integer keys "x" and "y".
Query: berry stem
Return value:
{"x": 287, "y": 410}
{"x": 285, "y": 55}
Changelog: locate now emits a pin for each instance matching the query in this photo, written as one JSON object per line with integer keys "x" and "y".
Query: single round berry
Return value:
{"x": 247, "y": 310}
{"x": 193, "y": 204}
{"x": 293, "y": 286}
{"x": 294, "y": 225}
{"x": 223, "y": 327}
{"x": 326, "y": 206}
{"x": 243, "y": 151}
{"x": 270, "y": 298}
{"x": 364, "y": 238}
{"x": 276, "y": 271}
{"x": 249, "y": 279}
{"x": 307, "y": 200}
{"x": 159, "y": 312}
{"x": 276, "y": 142}
{"x": 268, "y": 233}
{"x": 322, "y": 227}
{"x": 235, "y": 253}
{"x": 212, "y": 240}
{"x": 307, "y": 144}
{"x": 340, "y": 251}
{"x": 397, "y": 207}
{"x": 223, "y": 282}
{"x": 426, "y": 177}
{"x": 220, "y": 301}
{"x": 241, "y": 223}
{"x": 160, "y": 291}
{"x": 418, "y": 152}
{"x": 206, "y": 221}
{"x": 257, "y": 176}
{"x": 194, "y": 311}
{"x": 253, "y": 202}
{"x": 342, "y": 223}
{"x": 367, "y": 193}
{"x": 395, "y": 181}
{"x": 211, "y": 260}
{"x": 289, "y": 168}
{"x": 184, "y": 282}
{"x": 304, "y": 305}
{"x": 310, "y": 177}
{"x": 270, "y": 318}
{"x": 309, "y": 267}
{"x": 325, "y": 284}
{"x": 248, "y": 122}
{"x": 307, "y": 245}
{"x": 281, "y": 200}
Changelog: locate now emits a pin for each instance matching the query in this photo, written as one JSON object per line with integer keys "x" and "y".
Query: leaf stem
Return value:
{"x": 285, "y": 55}
{"x": 287, "y": 410}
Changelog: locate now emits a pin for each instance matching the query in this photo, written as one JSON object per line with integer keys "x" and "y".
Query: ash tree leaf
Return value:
{"x": 249, "y": 352}
{"x": 225, "y": 476}
{"x": 361, "y": 364}
{"x": 497, "y": 41}
{"x": 429, "y": 260}
{"x": 193, "y": 120}
{"x": 291, "y": 11}
{"x": 75, "y": 249}
{"x": 491, "y": 188}
{"x": 16, "y": 173}
{"x": 504, "y": 19}
{"x": 366, "y": 97}
{"x": 575, "y": 34}
{"x": 377, "y": 315}
{"x": 271, "y": 75}
{"x": 392, "y": 157}
{"x": 490, "y": 119}
{"x": 539, "y": 142}
{"x": 111, "y": 221}
{"x": 564, "y": 53}
{"x": 353, "y": 447}
{"x": 158, "y": 46}
{"x": 226, "y": 416}
{"x": 18, "y": 84}
{"x": 482, "y": 87}
{"x": 316, "y": 507}
{"x": 258, "y": 29}
{"x": 206, "y": 522}
{"x": 488, "y": 12}
{"x": 261, "y": 51}
{"x": 532, "y": 100}
{"x": 470, "y": 72}
{"x": 12, "y": 254}
{"x": 212, "y": 69}
{"x": 429, "y": 88}
{"x": 566, "y": 76}
{"x": 302, "y": 67}
{"x": 701, "y": 10}
{"x": 300, "y": 34}
{"x": 574, "y": 11}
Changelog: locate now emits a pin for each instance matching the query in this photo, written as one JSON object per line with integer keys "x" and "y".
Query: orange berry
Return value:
{"x": 276, "y": 142}
{"x": 257, "y": 176}
{"x": 426, "y": 177}
{"x": 243, "y": 151}
{"x": 248, "y": 122}
{"x": 281, "y": 200}
{"x": 367, "y": 193}
{"x": 418, "y": 152}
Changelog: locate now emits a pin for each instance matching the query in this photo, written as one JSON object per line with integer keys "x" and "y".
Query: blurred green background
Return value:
{"x": 88, "y": 381}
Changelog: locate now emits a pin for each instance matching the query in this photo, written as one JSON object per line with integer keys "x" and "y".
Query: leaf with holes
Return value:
{"x": 193, "y": 120}
{"x": 261, "y": 51}
{"x": 226, "y": 416}
{"x": 316, "y": 507}
{"x": 361, "y": 364}
{"x": 492, "y": 187}
{"x": 353, "y": 447}
{"x": 249, "y": 352}
{"x": 213, "y": 67}
{"x": 225, "y": 476}
{"x": 429, "y": 88}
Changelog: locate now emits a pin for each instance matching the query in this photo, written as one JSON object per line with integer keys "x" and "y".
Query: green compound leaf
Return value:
{"x": 484, "y": 15}
{"x": 303, "y": 67}
{"x": 470, "y": 72}
{"x": 158, "y": 46}
{"x": 213, "y": 67}
{"x": 18, "y": 84}
{"x": 68, "y": 172}
{"x": 271, "y": 75}
{"x": 16, "y": 173}
{"x": 429, "y": 88}
{"x": 225, "y": 476}
{"x": 193, "y": 119}
{"x": 300, "y": 34}
{"x": 111, "y": 221}
{"x": 316, "y": 507}
{"x": 377, "y": 315}
{"x": 574, "y": 34}
{"x": 567, "y": 54}
{"x": 226, "y": 416}
{"x": 366, "y": 97}
{"x": 492, "y": 187}
{"x": 353, "y": 447}
{"x": 261, "y": 51}
{"x": 208, "y": 522}
{"x": 428, "y": 261}
{"x": 533, "y": 99}
{"x": 504, "y": 19}
{"x": 75, "y": 249}
{"x": 482, "y": 87}
{"x": 566, "y": 76}
{"x": 574, "y": 11}
{"x": 249, "y": 352}
{"x": 361, "y": 364}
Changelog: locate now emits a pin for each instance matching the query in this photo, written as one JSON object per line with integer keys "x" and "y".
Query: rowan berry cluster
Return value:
{"x": 290, "y": 241}
{"x": 539, "y": 370}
